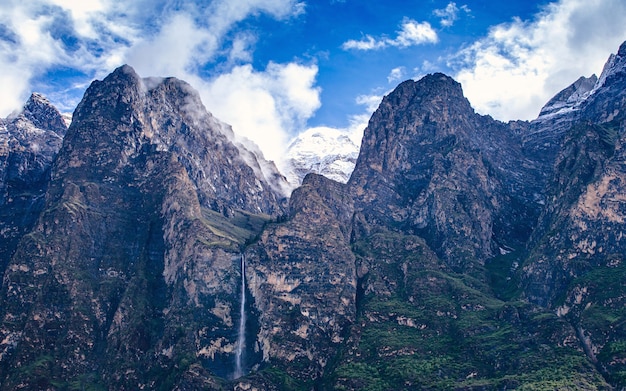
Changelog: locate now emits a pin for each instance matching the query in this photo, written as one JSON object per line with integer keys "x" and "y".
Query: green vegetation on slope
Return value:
{"x": 421, "y": 326}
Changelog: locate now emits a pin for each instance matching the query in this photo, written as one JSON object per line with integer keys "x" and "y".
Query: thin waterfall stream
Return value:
{"x": 241, "y": 336}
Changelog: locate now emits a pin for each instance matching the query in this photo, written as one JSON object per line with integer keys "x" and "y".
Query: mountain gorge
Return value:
{"x": 143, "y": 247}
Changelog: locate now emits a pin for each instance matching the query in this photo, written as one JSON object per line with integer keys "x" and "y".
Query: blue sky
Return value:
{"x": 274, "y": 68}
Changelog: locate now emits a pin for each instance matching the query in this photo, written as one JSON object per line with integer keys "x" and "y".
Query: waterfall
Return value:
{"x": 241, "y": 333}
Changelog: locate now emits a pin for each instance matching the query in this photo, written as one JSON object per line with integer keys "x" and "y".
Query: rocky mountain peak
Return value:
{"x": 125, "y": 117}
{"x": 463, "y": 253}
{"x": 570, "y": 97}
{"x": 43, "y": 114}
{"x": 29, "y": 142}
{"x": 614, "y": 67}
{"x": 431, "y": 165}
{"x": 323, "y": 151}
{"x": 430, "y": 92}
{"x": 416, "y": 111}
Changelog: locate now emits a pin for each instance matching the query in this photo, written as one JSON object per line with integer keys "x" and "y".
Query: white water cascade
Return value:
{"x": 241, "y": 336}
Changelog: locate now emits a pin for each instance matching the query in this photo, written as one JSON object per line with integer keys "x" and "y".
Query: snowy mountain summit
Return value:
{"x": 325, "y": 151}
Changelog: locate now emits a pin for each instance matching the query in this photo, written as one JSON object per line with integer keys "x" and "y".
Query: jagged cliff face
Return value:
{"x": 584, "y": 210}
{"x": 576, "y": 264}
{"x": 128, "y": 278}
{"x": 303, "y": 280}
{"x": 29, "y": 141}
{"x": 463, "y": 253}
{"x": 430, "y": 166}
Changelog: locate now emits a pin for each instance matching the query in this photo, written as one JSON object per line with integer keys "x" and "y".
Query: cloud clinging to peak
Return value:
{"x": 266, "y": 106}
{"x": 160, "y": 38}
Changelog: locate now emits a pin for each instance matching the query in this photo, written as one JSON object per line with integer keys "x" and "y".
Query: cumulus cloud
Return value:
{"x": 520, "y": 65}
{"x": 396, "y": 74}
{"x": 411, "y": 33}
{"x": 38, "y": 36}
{"x": 450, "y": 14}
{"x": 267, "y": 107}
{"x": 157, "y": 37}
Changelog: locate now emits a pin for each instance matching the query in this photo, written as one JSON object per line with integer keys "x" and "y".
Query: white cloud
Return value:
{"x": 396, "y": 74}
{"x": 411, "y": 33}
{"x": 40, "y": 35}
{"x": 414, "y": 33}
{"x": 448, "y": 15}
{"x": 370, "y": 102}
{"x": 178, "y": 48}
{"x": 82, "y": 13}
{"x": 267, "y": 107}
{"x": 158, "y": 37}
{"x": 368, "y": 43}
{"x": 520, "y": 65}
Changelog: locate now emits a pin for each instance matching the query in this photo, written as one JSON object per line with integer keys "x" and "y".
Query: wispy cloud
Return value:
{"x": 450, "y": 14}
{"x": 411, "y": 33}
{"x": 519, "y": 65}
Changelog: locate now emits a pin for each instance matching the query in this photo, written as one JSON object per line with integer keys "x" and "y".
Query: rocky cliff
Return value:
{"x": 463, "y": 253}
{"x": 128, "y": 278}
{"x": 29, "y": 141}
{"x": 575, "y": 265}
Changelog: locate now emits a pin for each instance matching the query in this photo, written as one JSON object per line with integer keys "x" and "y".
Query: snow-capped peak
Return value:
{"x": 325, "y": 151}
{"x": 570, "y": 98}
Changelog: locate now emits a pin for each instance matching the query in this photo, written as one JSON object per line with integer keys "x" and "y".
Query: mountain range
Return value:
{"x": 146, "y": 247}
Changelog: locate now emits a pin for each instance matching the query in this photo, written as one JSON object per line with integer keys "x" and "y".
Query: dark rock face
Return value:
{"x": 463, "y": 253}
{"x": 576, "y": 261}
{"x": 430, "y": 166}
{"x": 29, "y": 141}
{"x": 584, "y": 204}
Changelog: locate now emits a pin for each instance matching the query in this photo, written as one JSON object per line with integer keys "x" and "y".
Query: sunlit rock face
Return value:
{"x": 303, "y": 280}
